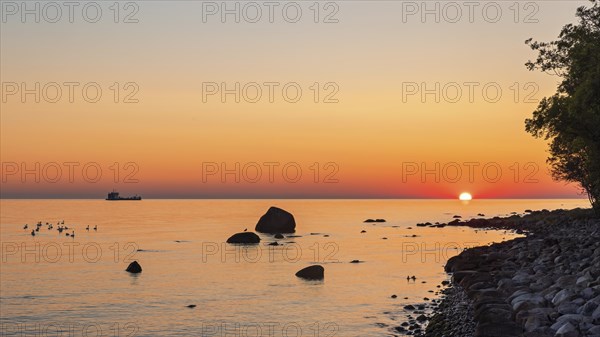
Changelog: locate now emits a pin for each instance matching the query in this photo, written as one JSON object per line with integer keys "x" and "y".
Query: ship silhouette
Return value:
{"x": 114, "y": 196}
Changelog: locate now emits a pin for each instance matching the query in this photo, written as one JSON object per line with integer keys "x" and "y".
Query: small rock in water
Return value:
{"x": 422, "y": 318}
{"x": 134, "y": 268}
{"x": 191, "y": 306}
{"x": 244, "y": 238}
{"x": 315, "y": 272}
{"x": 393, "y": 296}
{"x": 374, "y": 220}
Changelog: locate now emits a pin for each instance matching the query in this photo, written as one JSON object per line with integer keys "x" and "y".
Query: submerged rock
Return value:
{"x": 315, "y": 272}
{"x": 276, "y": 221}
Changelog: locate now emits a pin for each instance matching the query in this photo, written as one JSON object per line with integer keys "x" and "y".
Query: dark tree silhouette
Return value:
{"x": 570, "y": 119}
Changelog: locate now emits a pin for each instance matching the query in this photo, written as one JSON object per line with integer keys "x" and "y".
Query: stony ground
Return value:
{"x": 454, "y": 315}
{"x": 545, "y": 284}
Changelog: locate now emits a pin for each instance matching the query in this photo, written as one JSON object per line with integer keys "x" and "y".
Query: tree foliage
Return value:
{"x": 570, "y": 119}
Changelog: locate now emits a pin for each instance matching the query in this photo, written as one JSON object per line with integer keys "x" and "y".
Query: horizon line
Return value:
{"x": 297, "y": 198}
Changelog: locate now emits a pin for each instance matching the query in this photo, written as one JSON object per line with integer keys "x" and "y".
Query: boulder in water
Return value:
{"x": 276, "y": 220}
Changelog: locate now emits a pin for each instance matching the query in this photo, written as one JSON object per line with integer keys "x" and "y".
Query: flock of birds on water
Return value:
{"x": 60, "y": 227}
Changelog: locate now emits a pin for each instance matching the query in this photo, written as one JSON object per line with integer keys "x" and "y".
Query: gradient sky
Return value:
{"x": 368, "y": 140}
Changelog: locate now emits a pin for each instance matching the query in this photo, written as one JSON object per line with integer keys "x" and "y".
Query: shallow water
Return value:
{"x": 53, "y": 285}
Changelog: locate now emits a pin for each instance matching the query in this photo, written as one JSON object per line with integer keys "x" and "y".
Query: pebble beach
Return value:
{"x": 544, "y": 284}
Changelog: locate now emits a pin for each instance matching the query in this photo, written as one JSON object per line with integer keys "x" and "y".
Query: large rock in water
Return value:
{"x": 134, "y": 267}
{"x": 244, "y": 237}
{"x": 276, "y": 220}
{"x": 315, "y": 272}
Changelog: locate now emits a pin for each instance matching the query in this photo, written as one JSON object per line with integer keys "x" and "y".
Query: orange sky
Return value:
{"x": 375, "y": 65}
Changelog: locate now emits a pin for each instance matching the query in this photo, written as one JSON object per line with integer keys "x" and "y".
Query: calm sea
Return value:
{"x": 56, "y": 285}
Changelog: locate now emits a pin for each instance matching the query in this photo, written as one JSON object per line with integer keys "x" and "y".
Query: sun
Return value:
{"x": 465, "y": 196}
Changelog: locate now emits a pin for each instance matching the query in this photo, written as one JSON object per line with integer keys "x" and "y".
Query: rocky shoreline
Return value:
{"x": 544, "y": 284}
